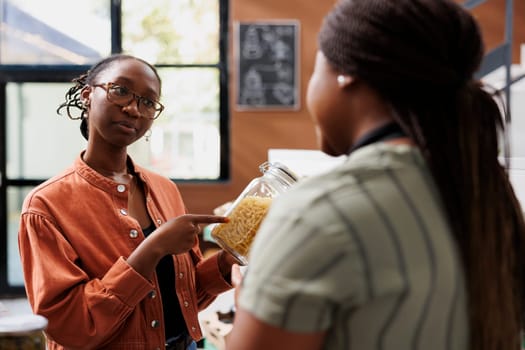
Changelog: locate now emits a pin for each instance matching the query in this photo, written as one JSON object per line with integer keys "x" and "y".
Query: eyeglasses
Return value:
{"x": 122, "y": 96}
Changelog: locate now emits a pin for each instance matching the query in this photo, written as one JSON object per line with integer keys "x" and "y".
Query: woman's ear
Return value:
{"x": 344, "y": 80}
{"x": 85, "y": 95}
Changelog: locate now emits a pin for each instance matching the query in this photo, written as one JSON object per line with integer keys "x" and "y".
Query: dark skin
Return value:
{"x": 343, "y": 109}
{"x": 112, "y": 129}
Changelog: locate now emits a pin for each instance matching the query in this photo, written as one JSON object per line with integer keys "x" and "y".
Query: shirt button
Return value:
{"x": 159, "y": 221}
{"x": 121, "y": 188}
{"x": 186, "y": 304}
{"x": 133, "y": 233}
{"x": 181, "y": 275}
{"x": 193, "y": 329}
{"x": 123, "y": 211}
{"x": 155, "y": 323}
{"x": 152, "y": 294}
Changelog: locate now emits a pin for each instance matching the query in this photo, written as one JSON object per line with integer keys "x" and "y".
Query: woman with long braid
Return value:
{"x": 417, "y": 240}
{"x": 110, "y": 255}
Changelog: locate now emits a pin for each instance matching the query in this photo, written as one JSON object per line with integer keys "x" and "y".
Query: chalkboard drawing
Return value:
{"x": 281, "y": 51}
{"x": 252, "y": 45}
{"x": 268, "y": 34}
{"x": 284, "y": 72}
{"x": 253, "y": 91}
{"x": 285, "y": 30}
{"x": 268, "y": 59}
{"x": 284, "y": 93}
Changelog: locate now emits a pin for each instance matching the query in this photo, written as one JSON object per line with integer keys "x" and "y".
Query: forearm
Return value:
{"x": 145, "y": 257}
{"x": 211, "y": 281}
{"x": 91, "y": 312}
{"x": 225, "y": 261}
{"x": 175, "y": 236}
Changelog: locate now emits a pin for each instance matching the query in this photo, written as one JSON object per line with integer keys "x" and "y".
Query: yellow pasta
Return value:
{"x": 245, "y": 218}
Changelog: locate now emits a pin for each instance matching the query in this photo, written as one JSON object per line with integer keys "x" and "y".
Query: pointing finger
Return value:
{"x": 207, "y": 219}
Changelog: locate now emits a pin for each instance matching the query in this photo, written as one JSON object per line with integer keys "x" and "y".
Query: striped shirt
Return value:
{"x": 364, "y": 252}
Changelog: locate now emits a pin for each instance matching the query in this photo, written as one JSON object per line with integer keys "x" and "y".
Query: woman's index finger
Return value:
{"x": 207, "y": 219}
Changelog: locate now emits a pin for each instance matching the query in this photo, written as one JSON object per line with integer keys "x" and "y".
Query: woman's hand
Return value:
{"x": 236, "y": 282}
{"x": 179, "y": 235}
{"x": 226, "y": 261}
{"x": 175, "y": 236}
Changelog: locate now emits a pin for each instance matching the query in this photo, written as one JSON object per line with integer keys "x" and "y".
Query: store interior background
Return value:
{"x": 254, "y": 133}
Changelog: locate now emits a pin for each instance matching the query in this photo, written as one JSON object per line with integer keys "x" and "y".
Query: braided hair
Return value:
{"x": 73, "y": 99}
{"x": 420, "y": 56}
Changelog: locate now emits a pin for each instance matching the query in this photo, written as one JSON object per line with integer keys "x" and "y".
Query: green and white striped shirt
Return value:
{"x": 364, "y": 251}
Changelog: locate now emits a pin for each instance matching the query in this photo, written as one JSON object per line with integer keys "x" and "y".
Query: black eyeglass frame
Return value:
{"x": 134, "y": 96}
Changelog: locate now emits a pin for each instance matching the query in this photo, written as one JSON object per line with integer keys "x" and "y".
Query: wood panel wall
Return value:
{"x": 253, "y": 133}
{"x": 491, "y": 15}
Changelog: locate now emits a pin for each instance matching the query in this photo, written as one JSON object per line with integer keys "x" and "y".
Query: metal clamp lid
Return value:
{"x": 266, "y": 166}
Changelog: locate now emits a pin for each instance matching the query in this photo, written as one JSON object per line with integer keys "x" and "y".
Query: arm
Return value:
{"x": 250, "y": 333}
{"x": 213, "y": 276}
{"x": 176, "y": 236}
{"x": 292, "y": 292}
{"x": 82, "y": 311}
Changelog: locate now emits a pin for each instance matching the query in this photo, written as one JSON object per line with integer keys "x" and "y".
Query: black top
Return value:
{"x": 174, "y": 323}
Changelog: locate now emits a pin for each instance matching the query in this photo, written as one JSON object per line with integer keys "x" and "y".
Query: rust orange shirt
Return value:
{"x": 75, "y": 235}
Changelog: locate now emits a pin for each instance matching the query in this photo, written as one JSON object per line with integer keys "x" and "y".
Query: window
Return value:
{"x": 42, "y": 49}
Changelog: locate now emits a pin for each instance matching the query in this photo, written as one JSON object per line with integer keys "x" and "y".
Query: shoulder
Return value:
{"x": 59, "y": 185}
{"x": 330, "y": 208}
{"x": 362, "y": 170}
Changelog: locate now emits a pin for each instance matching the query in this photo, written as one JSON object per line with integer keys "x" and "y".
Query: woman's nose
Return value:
{"x": 132, "y": 108}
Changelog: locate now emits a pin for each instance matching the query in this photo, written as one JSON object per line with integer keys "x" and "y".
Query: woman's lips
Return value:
{"x": 128, "y": 126}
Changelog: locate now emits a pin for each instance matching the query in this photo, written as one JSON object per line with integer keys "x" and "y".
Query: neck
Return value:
{"x": 116, "y": 170}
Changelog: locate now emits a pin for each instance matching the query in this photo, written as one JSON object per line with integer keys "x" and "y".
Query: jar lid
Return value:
{"x": 22, "y": 323}
{"x": 264, "y": 167}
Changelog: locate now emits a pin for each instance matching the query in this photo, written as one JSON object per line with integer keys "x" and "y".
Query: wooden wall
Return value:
{"x": 253, "y": 133}
{"x": 491, "y": 15}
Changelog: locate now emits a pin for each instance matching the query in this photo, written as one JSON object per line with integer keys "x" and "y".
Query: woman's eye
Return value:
{"x": 120, "y": 90}
{"x": 148, "y": 103}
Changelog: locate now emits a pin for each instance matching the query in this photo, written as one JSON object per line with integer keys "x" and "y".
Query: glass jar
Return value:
{"x": 248, "y": 210}
{"x": 23, "y": 332}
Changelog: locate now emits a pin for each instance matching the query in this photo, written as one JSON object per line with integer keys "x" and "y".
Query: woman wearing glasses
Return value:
{"x": 110, "y": 256}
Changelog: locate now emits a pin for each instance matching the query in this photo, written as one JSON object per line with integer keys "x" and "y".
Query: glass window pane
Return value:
{"x": 185, "y": 141}
{"x": 170, "y": 32}
{"x": 40, "y": 143}
{"x": 54, "y": 31}
{"x": 15, "y": 198}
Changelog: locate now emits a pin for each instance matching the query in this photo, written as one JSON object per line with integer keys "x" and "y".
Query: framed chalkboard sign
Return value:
{"x": 267, "y": 60}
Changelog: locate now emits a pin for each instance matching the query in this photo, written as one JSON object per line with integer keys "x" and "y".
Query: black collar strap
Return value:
{"x": 386, "y": 132}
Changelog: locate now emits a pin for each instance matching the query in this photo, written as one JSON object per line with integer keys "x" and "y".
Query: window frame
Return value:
{"x": 65, "y": 73}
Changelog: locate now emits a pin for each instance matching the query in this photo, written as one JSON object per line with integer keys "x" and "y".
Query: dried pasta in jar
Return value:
{"x": 245, "y": 219}
{"x": 248, "y": 210}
